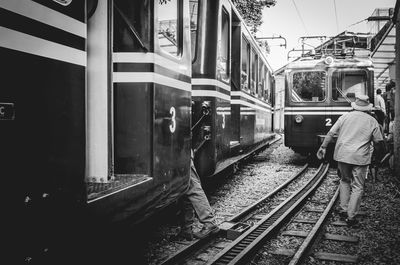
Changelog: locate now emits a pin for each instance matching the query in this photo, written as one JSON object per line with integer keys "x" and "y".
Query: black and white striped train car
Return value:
{"x": 95, "y": 113}
{"x": 318, "y": 92}
{"x": 231, "y": 87}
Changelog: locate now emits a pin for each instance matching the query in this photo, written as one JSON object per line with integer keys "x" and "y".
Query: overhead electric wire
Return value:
{"x": 337, "y": 22}
{"x": 365, "y": 19}
{"x": 301, "y": 18}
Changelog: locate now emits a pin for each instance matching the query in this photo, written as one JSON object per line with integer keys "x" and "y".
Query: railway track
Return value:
{"x": 246, "y": 245}
{"x": 245, "y": 218}
{"x": 313, "y": 239}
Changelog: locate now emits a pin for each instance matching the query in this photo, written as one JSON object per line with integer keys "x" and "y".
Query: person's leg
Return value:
{"x": 201, "y": 206}
{"x": 199, "y": 199}
{"x": 186, "y": 218}
{"x": 187, "y": 213}
{"x": 345, "y": 180}
{"x": 357, "y": 190}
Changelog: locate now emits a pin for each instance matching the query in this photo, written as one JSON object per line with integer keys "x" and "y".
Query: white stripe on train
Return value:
{"x": 140, "y": 57}
{"x": 210, "y": 93}
{"x": 316, "y": 113}
{"x": 210, "y": 82}
{"x": 139, "y": 77}
{"x": 45, "y": 15}
{"x": 244, "y": 95}
{"x": 318, "y": 108}
{"x": 216, "y": 94}
{"x": 18, "y": 41}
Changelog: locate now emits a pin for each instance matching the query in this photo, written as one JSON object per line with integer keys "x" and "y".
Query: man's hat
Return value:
{"x": 362, "y": 103}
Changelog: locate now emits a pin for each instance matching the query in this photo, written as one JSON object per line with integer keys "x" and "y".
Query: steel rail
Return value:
{"x": 309, "y": 240}
{"x": 202, "y": 243}
{"x": 250, "y": 208}
{"x": 247, "y": 243}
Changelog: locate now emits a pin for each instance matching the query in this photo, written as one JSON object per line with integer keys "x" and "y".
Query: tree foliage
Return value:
{"x": 251, "y": 11}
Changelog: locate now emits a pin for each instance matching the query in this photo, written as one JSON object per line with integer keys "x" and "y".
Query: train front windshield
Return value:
{"x": 348, "y": 83}
{"x": 308, "y": 86}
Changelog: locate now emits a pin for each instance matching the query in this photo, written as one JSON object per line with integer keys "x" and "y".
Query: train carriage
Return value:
{"x": 318, "y": 92}
{"x": 231, "y": 87}
{"x": 103, "y": 101}
{"x": 94, "y": 114}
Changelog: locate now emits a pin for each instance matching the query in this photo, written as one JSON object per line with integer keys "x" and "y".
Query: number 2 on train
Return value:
{"x": 328, "y": 122}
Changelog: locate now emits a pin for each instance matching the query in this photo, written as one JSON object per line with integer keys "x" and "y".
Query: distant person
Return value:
{"x": 392, "y": 100}
{"x": 380, "y": 107}
{"x": 195, "y": 200}
{"x": 355, "y": 129}
{"x": 389, "y": 97}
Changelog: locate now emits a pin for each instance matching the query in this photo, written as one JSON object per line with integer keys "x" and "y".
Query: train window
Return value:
{"x": 268, "y": 85}
{"x": 261, "y": 80}
{"x": 194, "y": 8}
{"x": 346, "y": 84}
{"x": 131, "y": 26}
{"x": 223, "y": 48}
{"x": 169, "y": 26}
{"x": 253, "y": 76}
{"x": 308, "y": 86}
{"x": 244, "y": 80}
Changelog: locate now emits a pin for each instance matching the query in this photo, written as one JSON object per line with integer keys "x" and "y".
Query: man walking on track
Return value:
{"x": 355, "y": 131}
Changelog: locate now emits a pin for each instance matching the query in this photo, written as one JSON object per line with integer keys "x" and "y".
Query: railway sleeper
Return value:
{"x": 283, "y": 252}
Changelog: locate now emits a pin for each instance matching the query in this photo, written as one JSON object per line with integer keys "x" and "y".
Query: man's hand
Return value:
{"x": 321, "y": 153}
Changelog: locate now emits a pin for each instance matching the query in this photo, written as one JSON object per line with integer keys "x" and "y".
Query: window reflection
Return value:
{"x": 244, "y": 80}
{"x": 223, "y": 49}
{"x": 308, "y": 86}
{"x": 168, "y": 26}
{"x": 253, "y": 77}
{"x": 193, "y": 8}
{"x": 347, "y": 84}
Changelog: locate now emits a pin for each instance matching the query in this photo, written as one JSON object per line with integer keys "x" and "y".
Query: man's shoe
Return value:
{"x": 184, "y": 234}
{"x": 353, "y": 223}
{"x": 207, "y": 229}
{"x": 343, "y": 215}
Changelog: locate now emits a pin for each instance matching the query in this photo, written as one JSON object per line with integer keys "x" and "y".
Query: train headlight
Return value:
{"x": 298, "y": 119}
{"x": 328, "y": 60}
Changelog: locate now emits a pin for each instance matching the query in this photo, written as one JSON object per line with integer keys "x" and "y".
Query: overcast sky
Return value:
{"x": 293, "y": 19}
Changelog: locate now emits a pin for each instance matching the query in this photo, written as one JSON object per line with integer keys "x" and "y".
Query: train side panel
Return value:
{"x": 149, "y": 122}
{"x": 211, "y": 89}
{"x": 42, "y": 125}
{"x": 240, "y": 118}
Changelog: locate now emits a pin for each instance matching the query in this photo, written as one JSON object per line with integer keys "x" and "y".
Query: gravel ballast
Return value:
{"x": 379, "y": 230}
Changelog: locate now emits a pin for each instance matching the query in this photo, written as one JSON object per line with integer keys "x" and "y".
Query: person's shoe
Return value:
{"x": 342, "y": 215}
{"x": 353, "y": 223}
{"x": 207, "y": 229}
{"x": 184, "y": 234}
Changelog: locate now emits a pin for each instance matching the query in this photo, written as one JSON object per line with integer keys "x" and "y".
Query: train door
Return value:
{"x": 172, "y": 94}
{"x": 223, "y": 74}
{"x": 235, "y": 84}
{"x": 245, "y": 122}
{"x": 138, "y": 154}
